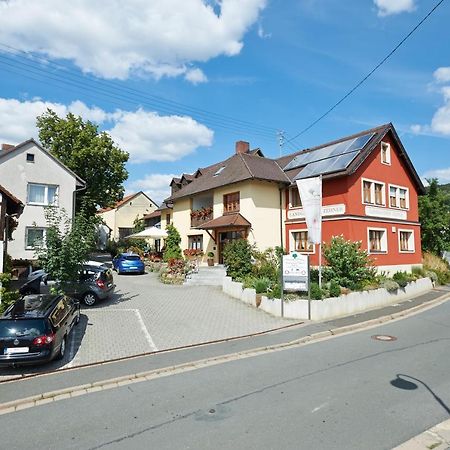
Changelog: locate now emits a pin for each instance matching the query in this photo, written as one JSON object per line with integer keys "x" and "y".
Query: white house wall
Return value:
{"x": 16, "y": 173}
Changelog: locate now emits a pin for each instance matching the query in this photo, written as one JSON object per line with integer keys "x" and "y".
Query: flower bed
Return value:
{"x": 328, "y": 308}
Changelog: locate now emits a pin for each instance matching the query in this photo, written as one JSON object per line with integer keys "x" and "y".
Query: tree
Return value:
{"x": 67, "y": 244}
{"x": 173, "y": 249}
{"x": 434, "y": 216}
{"x": 348, "y": 264}
{"x": 138, "y": 224}
{"x": 91, "y": 154}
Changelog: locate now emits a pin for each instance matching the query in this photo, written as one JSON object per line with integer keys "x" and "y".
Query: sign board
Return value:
{"x": 387, "y": 213}
{"x": 295, "y": 272}
{"x": 329, "y": 210}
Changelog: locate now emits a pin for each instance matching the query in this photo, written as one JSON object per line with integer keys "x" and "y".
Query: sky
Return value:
{"x": 177, "y": 83}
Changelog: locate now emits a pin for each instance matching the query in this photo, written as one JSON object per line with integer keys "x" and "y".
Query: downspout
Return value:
{"x": 282, "y": 246}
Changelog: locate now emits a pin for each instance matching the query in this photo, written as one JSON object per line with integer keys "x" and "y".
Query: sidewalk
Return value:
{"x": 437, "y": 437}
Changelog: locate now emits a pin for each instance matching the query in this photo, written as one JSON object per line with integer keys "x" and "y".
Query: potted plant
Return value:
{"x": 210, "y": 259}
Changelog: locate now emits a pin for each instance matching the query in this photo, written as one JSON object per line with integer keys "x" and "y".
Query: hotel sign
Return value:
{"x": 295, "y": 272}
{"x": 386, "y": 213}
{"x": 329, "y": 210}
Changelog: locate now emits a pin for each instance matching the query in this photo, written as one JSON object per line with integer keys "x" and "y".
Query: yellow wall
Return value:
{"x": 124, "y": 216}
{"x": 259, "y": 204}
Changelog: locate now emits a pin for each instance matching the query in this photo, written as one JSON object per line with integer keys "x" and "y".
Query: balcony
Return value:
{"x": 201, "y": 216}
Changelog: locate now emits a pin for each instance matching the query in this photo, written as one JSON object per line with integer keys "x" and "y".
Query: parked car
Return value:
{"x": 128, "y": 263}
{"x": 95, "y": 283}
{"x": 35, "y": 329}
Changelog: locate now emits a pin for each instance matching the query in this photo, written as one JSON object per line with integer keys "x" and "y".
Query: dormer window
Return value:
{"x": 30, "y": 157}
{"x": 385, "y": 153}
{"x": 219, "y": 171}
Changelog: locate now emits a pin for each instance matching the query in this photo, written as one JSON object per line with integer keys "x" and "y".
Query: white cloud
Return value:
{"x": 442, "y": 75}
{"x": 146, "y": 135}
{"x": 440, "y": 122}
{"x": 155, "y": 185}
{"x": 114, "y": 39}
{"x": 443, "y": 175}
{"x": 262, "y": 34}
{"x": 389, "y": 7}
{"x": 196, "y": 76}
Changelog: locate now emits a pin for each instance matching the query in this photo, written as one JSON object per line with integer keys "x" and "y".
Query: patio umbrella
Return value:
{"x": 151, "y": 233}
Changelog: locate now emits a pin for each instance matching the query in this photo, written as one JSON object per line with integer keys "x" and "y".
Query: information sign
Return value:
{"x": 295, "y": 272}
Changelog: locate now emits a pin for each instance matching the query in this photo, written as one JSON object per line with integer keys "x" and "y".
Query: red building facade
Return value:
{"x": 374, "y": 200}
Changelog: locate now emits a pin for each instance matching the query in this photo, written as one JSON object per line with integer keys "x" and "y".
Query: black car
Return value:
{"x": 35, "y": 329}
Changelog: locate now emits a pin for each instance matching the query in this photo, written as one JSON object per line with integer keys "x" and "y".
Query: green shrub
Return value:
{"x": 262, "y": 285}
{"x": 418, "y": 271}
{"x": 390, "y": 285}
{"x": 335, "y": 289}
{"x": 316, "y": 292}
{"x": 8, "y": 296}
{"x": 402, "y": 278}
{"x": 432, "y": 275}
{"x": 267, "y": 263}
{"x": 173, "y": 249}
{"x": 314, "y": 275}
{"x": 274, "y": 291}
{"x": 237, "y": 257}
{"x": 348, "y": 265}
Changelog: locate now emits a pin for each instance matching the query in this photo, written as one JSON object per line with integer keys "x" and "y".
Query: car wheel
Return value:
{"x": 62, "y": 349}
{"x": 89, "y": 299}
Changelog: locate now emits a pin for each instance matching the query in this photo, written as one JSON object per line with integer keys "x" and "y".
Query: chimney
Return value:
{"x": 242, "y": 147}
{"x": 6, "y": 147}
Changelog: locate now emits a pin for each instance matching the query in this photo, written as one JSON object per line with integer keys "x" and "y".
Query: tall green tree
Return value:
{"x": 434, "y": 216}
{"x": 90, "y": 153}
{"x": 67, "y": 245}
{"x": 173, "y": 249}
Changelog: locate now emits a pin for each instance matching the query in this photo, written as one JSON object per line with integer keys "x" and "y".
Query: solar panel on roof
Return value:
{"x": 330, "y": 151}
{"x": 328, "y": 165}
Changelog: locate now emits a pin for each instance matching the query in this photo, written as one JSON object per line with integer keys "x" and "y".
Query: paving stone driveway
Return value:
{"x": 144, "y": 315}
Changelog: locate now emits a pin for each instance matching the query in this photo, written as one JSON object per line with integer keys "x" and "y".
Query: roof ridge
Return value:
{"x": 246, "y": 165}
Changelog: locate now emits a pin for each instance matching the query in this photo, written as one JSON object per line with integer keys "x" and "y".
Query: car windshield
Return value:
{"x": 22, "y": 327}
{"x": 132, "y": 257}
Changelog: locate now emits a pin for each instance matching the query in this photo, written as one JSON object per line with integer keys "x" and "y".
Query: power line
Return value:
{"x": 353, "y": 89}
{"x": 162, "y": 104}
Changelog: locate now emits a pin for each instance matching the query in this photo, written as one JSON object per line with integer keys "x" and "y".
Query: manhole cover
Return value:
{"x": 383, "y": 337}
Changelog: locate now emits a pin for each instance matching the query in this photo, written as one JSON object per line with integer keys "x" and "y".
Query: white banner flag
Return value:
{"x": 310, "y": 190}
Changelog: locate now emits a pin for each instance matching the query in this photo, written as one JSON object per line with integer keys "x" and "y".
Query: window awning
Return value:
{"x": 226, "y": 221}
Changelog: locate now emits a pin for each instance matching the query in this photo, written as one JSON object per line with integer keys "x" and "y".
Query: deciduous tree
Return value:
{"x": 88, "y": 152}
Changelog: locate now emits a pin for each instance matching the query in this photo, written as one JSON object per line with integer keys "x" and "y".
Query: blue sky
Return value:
{"x": 176, "y": 83}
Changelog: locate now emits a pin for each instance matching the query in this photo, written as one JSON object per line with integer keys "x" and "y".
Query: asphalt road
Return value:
{"x": 348, "y": 392}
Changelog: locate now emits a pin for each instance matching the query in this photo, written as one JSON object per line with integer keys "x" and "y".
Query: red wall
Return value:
{"x": 348, "y": 191}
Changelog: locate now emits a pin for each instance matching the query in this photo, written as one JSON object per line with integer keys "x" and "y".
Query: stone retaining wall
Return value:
{"x": 330, "y": 307}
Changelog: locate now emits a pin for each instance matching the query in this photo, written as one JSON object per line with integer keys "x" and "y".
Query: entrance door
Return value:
{"x": 228, "y": 236}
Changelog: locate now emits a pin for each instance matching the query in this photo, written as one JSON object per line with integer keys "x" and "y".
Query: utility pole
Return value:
{"x": 280, "y": 135}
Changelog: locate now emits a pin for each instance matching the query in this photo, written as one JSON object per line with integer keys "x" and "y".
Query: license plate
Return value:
{"x": 11, "y": 350}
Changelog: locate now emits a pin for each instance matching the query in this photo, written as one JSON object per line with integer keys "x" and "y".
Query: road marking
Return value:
{"x": 145, "y": 331}
{"x": 137, "y": 313}
{"x": 318, "y": 408}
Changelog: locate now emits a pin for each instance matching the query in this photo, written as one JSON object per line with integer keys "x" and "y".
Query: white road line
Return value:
{"x": 145, "y": 331}
{"x": 318, "y": 408}
{"x": 147, "y": 335}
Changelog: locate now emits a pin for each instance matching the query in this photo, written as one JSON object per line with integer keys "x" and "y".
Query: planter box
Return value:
{"x": 330, "y": 307}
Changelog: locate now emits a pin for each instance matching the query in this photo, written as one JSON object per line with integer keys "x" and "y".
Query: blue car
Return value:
{"x": 128, "y": 263}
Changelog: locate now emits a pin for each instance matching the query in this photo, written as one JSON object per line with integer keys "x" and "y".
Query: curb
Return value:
{"x": 75, "y": 391}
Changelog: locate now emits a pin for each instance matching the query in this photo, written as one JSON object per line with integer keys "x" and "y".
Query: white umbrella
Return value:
{"x": 152, "y": 233}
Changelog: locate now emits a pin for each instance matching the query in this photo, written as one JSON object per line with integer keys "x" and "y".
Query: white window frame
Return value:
{"x": 292, "y": 242}
{"x": 388, "y": 153}
{"x": 397, "y": 196}
{"x": 44, "y": 236}
{"x": 410, "y": 241}
{"x": 372, "y": 192}
{"x": 290, "y": 199}
{"x": 46, "y": 202}
{"x": 384, "y": 242}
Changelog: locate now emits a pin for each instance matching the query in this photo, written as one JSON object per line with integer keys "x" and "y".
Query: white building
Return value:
{"x": 32, "y": 174}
